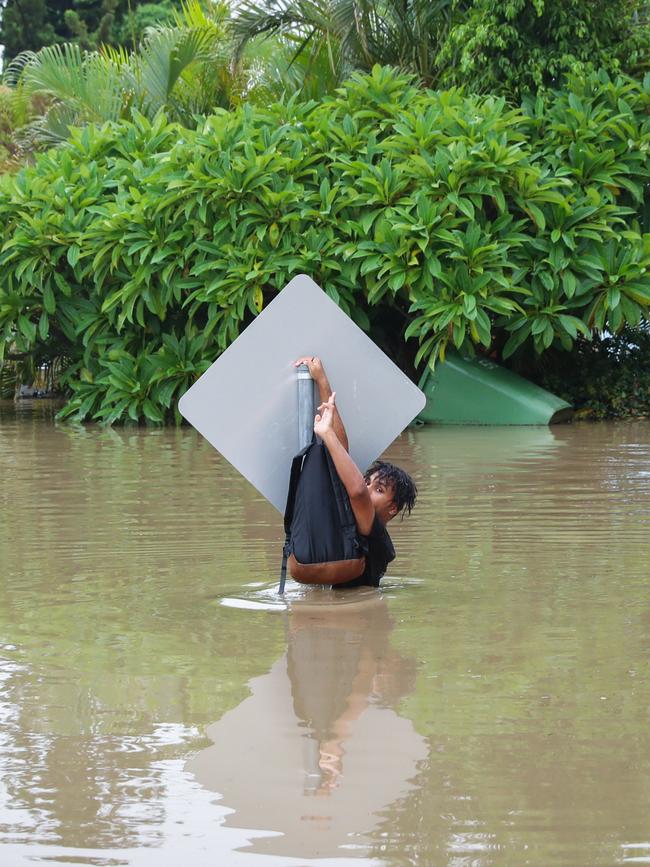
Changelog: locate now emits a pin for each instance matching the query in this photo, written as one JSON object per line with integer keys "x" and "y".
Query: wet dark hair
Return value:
{"x": 404, "y": 490}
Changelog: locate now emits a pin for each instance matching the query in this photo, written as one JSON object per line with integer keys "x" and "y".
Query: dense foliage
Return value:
{"x": 139, "y": 251}
{"x": 204, "y": 54}
{"x": 608, "y": 377}
{"x": 508, "y": 48}
{"x": 29, "y": 25}
{"x": 182, "y": 69}
{"x": 16, "y": 110}
{"x": 518, "y": 46}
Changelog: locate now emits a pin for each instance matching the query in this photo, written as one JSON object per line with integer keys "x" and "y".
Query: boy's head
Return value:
{"x": 391, "y": 490}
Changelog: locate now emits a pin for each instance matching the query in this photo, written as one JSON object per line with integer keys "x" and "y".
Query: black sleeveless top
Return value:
{"x": 379, "y": 551}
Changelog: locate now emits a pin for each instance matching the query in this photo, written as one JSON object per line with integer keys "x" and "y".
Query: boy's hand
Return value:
{"x": 325, "y": 395}
{"x": 316, "y": 370}
{"x": 324, "y": 420}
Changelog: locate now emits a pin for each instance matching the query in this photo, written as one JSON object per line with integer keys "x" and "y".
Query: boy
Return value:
{"x": 375, "y": 498}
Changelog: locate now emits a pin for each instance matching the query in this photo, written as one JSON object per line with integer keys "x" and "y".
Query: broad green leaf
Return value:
{"x": 73, "y": 254}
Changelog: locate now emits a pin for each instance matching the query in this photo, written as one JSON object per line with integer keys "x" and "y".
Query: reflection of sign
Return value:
{"x": 316, "y": 752}
{"x": 246, "y": 405}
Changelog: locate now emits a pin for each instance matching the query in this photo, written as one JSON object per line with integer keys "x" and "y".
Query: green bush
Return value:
{"x": 608, "y": 378}
{"x": 514, "y": 47}
{"x": 140, "y": 250}
{"x": 131, "y": 28}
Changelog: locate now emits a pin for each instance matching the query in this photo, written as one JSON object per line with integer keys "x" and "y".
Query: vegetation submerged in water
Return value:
{"x": 606, "y": 379}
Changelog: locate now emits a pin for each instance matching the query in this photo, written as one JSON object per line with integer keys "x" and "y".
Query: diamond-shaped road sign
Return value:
{"x": 246, "y": 403}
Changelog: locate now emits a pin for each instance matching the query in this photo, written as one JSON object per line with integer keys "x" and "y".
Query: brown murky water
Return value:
{"x": 160, "y": 706}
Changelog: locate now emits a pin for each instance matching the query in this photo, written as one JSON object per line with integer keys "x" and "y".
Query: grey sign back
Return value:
{"x": 246, "y": 403}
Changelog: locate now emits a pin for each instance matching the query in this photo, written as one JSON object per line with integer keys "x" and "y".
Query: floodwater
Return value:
{"x": 159, "y": 705}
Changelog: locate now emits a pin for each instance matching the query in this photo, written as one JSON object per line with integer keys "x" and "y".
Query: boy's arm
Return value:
{"x": 317, "y": 373}
{"x": 348, "y": 472}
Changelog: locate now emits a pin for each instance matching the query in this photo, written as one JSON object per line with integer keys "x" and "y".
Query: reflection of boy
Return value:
{"x": 339, "y": 664}
{"x": 376, "y": 497}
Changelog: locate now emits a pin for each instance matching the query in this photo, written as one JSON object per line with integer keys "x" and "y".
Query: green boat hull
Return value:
{"x": 478, "y": 391}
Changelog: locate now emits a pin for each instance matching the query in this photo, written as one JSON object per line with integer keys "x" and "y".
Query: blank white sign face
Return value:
{"x": 246, "y": 404}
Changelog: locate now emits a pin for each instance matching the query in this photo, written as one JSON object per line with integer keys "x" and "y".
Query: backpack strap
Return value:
{"x": 294, "y": 478}
{"x": 347, "y": 520}
{"x": 283, "y": 569}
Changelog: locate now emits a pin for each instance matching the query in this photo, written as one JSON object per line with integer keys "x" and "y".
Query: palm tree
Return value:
{"x": 353, "y": 34}
{"x": 184, "y": 69}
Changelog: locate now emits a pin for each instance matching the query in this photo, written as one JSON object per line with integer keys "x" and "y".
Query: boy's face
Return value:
{"x": 381, "y": 494}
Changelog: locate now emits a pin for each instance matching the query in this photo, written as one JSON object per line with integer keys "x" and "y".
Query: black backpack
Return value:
{"x": 321, "y": 531}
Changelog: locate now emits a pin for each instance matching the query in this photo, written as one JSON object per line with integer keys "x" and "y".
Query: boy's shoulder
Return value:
{"x": 379, "y": 534}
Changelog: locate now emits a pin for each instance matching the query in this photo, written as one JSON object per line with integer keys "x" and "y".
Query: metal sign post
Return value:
{"x": 305, "y": 407}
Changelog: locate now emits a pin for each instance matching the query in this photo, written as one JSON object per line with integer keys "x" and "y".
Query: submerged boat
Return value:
{"x": 479, "y": 391}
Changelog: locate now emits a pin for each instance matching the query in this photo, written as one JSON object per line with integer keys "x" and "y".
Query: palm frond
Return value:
{"x": 166, "y": 53}
{"x": 280, "y": 17}
{"x": 89, "y": 83}
{"x": 276, "y": 68}
{"x": 202, "y": 13}
{"x": 56, "y": 70}
{"x": 403, "y": 33}
{"x": 51, "y": 128}
{"x": 118, "y": 55}
{"x": 13, "y": 70}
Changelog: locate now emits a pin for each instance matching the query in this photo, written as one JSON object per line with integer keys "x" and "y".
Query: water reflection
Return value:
{"x": 318, "y": 751}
